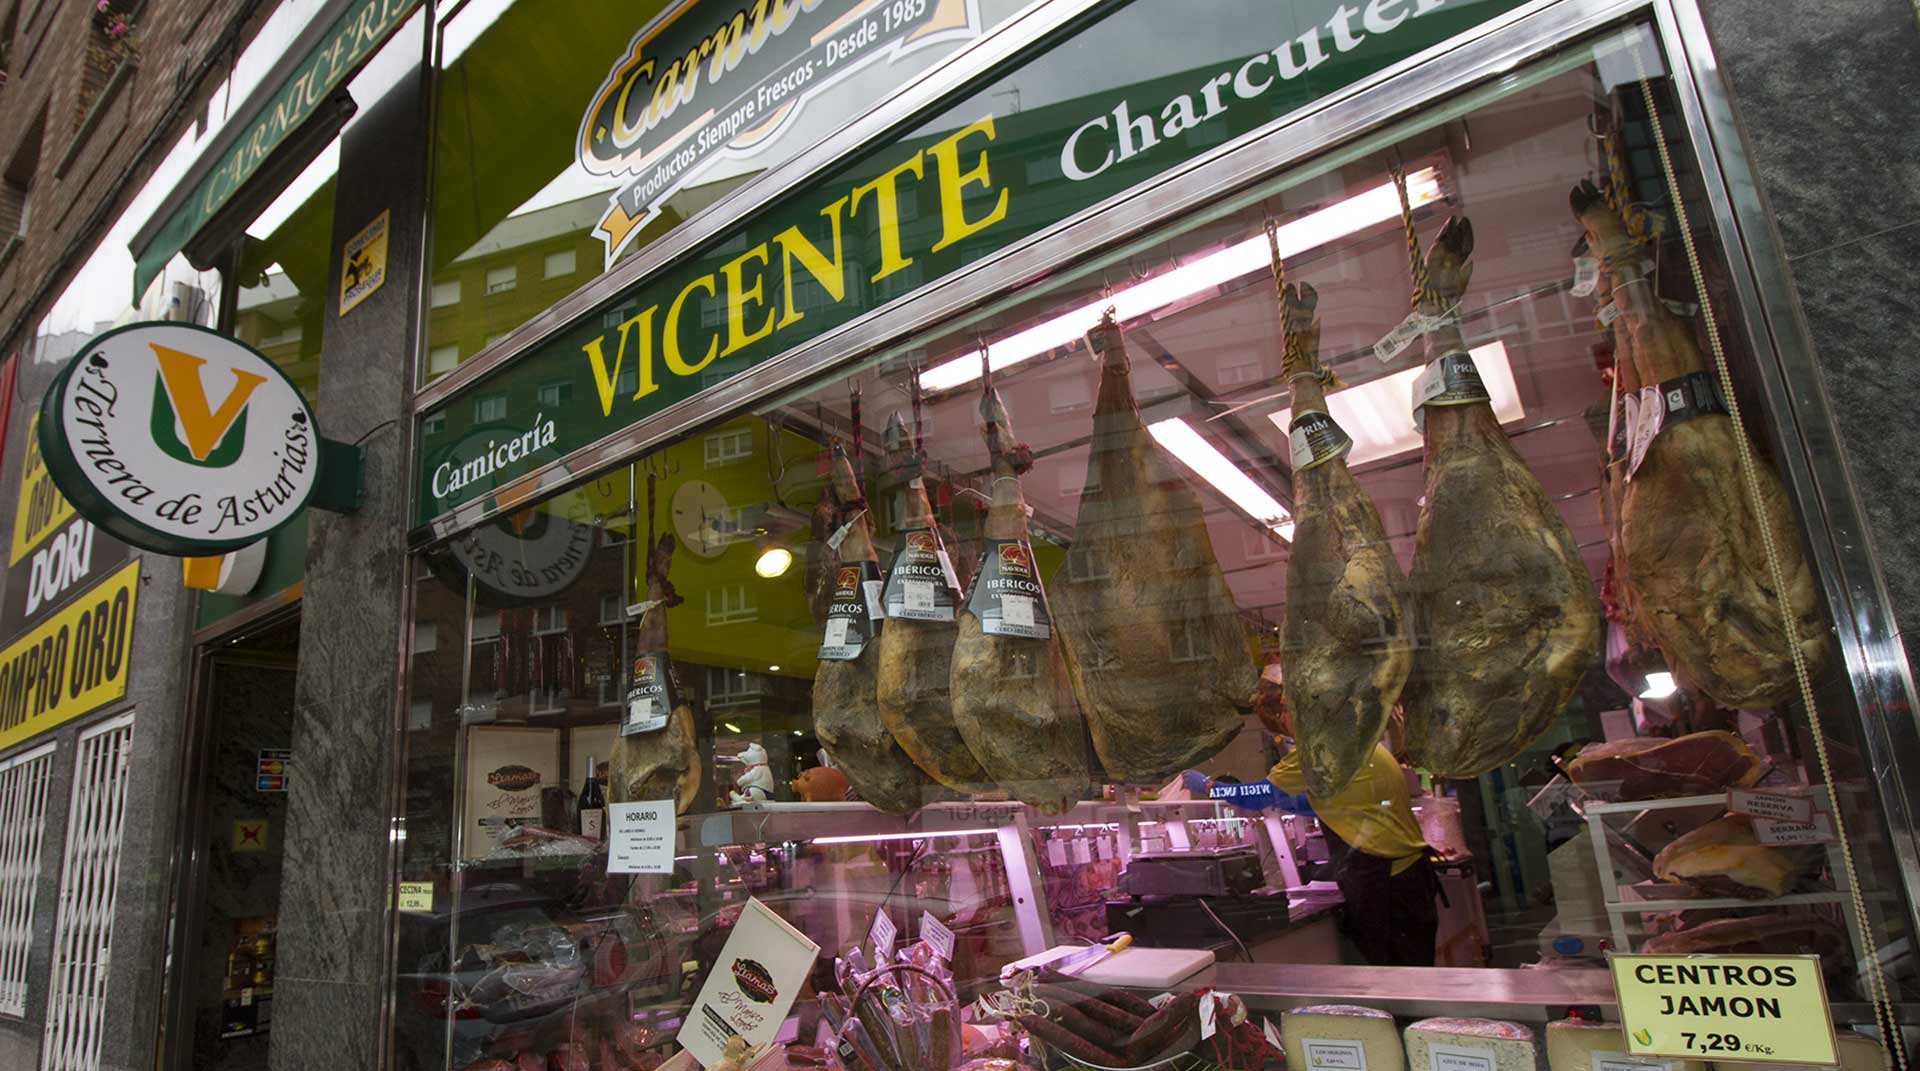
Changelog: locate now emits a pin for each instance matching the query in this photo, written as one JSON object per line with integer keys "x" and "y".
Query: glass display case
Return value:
{"x": 1313, "y": 627}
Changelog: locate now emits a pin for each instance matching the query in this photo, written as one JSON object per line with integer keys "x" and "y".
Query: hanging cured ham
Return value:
{"x": 922, "y": 602}
{"x": 1348, "y": 641}
{"x": 846, "y": 703}
{"x": 1159, "y": 659}
{"x": 1012, "y": 700}
{"x": 1507, "y": 617}
{"x": 1695, "y": 501}
{"x": 655, "y": 757}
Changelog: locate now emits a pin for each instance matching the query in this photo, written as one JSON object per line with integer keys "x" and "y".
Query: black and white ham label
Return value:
{"x": 937, "y": 936}
{"x": 1449, "y": 380}
{"x": 1316, "y": 439}
{"x": 1335, "y": 1056}
{"x": 922, "y": 585}
{"x": 1007, "y": 596}
{"x": 853, "y": 621}
{"x": 651, "y": 694}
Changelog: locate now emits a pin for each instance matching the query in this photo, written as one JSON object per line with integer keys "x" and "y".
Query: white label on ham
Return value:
{"x": 919, "y": 595}
{"x": 1397, "y": 340}
{"x": 1057, "y": 852}
{"x": 1586, "y": 276}
{"x": 1016, "y": 611}
{"x": 1209, "y": 1014}
{"x": 1651, "y": 413}
{"x": 1609, "y": 313}
{"x": 872, "y": 590}
{"x": 836, "y": 632}
{"x": 840, "y": 535}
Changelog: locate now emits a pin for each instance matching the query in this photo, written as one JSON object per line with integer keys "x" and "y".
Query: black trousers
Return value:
{"x": 1392, "y": 918}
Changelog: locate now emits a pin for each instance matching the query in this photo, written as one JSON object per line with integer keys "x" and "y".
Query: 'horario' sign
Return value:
{"x": 179, "y": 439}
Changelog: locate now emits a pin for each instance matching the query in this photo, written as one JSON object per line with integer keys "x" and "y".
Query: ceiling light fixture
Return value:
{"x": 1378, "y": 414}
{"x": 1315, "y": 229}
{"x": 1208, "y": 463}
{"x": 774, "y": 561}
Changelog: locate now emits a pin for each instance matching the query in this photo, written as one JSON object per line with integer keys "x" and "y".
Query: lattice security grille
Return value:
{"x": 23, "y": 816}
{"x": 89, "y": 878}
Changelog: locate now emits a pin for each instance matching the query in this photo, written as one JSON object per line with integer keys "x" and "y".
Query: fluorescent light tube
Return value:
{"x": 1378, "y": 414}
{"x": 1208, "y": 463}
{"x": 1310, "y": 231}
{"x": 901, "y": 836}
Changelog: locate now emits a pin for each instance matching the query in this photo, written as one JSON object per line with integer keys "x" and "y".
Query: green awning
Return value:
{"x": 337, "y": 44}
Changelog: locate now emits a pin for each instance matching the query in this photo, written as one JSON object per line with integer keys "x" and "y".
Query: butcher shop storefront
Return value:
{"x": 1106, "y": 535}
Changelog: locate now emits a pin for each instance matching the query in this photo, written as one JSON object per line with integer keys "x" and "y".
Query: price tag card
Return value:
{"x": 1728, "y": 1009}
{"x": 881, "y": 937}
{"x": 1817, "y": 831}
{"x": 937, "y": 936}
{"x": 1769, "y": 805}
{"x": 1334, "y": 1055}
{"x": 640, "y": 839}
{"x": 416, "y": 896}
{"x": 1460, "y": 1058}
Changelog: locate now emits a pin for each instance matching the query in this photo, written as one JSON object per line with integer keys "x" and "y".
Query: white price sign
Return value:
{"x": 640, "y": 838}
{"x": 937, "y": 936}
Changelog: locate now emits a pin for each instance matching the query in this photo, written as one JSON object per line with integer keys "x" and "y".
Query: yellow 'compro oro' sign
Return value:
{"x": 1770, "y": 1009}
{"x": 42, "y": 507}
{"x": 73, "y": 662}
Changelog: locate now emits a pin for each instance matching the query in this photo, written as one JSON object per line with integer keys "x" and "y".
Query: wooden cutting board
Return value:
{"x": 1148, "y": 968}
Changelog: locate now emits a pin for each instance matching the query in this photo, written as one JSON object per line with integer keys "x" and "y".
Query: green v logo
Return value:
{"x": 185, "y": 426}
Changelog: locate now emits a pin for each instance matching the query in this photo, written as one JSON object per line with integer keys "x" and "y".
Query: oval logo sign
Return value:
{"x": 179, "y": 439}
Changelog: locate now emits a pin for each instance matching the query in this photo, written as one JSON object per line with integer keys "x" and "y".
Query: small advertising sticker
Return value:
{"x": 272, "y": 768}
{"x": 761, "y": 970}
{"x": 1770, "y": 806}
{"x": 1754, "y": 1009}
{"x": 641, "y": 838}
{"x": 1007, "y": 596}
{"x": 363, "y": 263}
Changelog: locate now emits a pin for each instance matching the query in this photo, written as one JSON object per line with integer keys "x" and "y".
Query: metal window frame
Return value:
{"x": 1804, "y": 439}
{"x": 23, "y": 821}
{"x": 76, "y": 1017}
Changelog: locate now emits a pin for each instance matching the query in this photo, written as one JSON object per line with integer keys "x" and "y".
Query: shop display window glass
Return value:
{"x": 1390, "y": 564}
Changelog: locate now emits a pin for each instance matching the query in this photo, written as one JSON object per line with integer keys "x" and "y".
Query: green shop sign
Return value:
{"x": 1023, "y": 152}
{"x": 348, "y": 41}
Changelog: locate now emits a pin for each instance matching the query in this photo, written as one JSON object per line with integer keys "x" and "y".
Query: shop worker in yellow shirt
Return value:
{"x": 1381, "y": 861}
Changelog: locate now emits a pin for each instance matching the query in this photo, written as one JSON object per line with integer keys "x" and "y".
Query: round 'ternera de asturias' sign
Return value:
{"x": 179, "y": 439}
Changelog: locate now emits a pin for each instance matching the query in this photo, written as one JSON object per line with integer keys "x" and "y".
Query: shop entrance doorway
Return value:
{"x": 232, "y": 828}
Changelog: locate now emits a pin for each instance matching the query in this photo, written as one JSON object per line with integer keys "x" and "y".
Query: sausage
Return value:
{"x": 1106, "y": 1015}
{"x": 1158, "y": 1035}
{"x": 1127, "y": 1002}
{"x": 1070, "y": 1043}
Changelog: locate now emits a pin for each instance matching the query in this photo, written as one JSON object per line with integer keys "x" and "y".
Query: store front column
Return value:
{"x": 332, "y": 953}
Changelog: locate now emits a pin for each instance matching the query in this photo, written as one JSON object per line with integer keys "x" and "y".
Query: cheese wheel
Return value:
{"x": 1341, "y": 1037}
{"x": 1576, "y": 1045}
{"x": 1470, "y": 1045}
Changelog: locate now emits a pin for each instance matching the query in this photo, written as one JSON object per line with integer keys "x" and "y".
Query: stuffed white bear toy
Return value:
{"x": 756, "y": 781}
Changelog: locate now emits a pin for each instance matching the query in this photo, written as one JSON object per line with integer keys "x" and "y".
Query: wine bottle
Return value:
{"x": 590, "y": 820}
